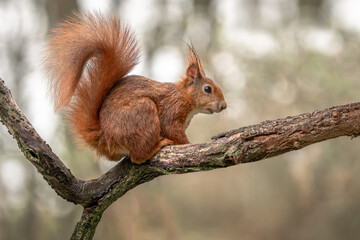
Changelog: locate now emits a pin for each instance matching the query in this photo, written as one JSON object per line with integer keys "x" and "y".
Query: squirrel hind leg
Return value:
{"x": 134, "y": 126}
{"x": 138, "y": 157}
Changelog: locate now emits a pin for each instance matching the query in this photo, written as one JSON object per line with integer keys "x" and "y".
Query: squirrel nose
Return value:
{"x": 223, "y": 106}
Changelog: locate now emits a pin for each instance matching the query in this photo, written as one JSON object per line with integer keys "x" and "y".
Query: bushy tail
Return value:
{"x": 85, "y": 57}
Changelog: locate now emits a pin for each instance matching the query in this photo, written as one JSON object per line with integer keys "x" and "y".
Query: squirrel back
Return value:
{"x": 85, "y": 57}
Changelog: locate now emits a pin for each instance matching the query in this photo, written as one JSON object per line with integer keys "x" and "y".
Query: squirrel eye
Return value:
{"x": 207, "y": 89}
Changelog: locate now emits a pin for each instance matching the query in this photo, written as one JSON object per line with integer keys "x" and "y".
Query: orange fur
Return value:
{"x": 88, "y": 58}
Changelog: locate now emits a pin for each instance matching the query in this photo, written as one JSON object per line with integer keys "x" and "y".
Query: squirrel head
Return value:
{"x": 204, "y": 94}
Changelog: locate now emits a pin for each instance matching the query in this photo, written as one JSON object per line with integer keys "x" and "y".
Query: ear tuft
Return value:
{"x": 194, "y": 61}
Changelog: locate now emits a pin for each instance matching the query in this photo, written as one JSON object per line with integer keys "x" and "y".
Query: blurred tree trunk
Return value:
{"x": 312, "y": 10}
{"x": 57, "y": 10}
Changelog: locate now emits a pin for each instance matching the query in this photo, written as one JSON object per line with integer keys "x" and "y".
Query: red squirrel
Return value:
{"x": 88, "y": 58}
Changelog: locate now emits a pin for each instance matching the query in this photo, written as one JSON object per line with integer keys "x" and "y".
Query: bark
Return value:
{"x": 246, "y": 144}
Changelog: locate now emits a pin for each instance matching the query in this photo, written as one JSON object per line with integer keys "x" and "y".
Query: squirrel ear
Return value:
{"x": 192, "y": 72}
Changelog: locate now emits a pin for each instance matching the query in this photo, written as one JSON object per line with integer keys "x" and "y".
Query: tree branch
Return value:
{"x": 246, "y": 144}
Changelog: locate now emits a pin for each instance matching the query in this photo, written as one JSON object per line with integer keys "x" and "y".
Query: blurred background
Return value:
{"x": 272, "y": 58}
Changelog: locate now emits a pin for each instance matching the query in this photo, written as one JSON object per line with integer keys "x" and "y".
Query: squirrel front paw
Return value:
{"x": 166, "y": 142}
